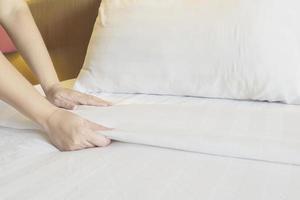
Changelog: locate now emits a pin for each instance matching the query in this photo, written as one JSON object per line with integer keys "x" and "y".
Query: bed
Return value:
{"x": 31, "y": 168}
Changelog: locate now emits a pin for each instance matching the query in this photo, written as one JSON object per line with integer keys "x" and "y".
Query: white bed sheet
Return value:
{"x": 249, "y": 130}
{"x": 31, "y": 168}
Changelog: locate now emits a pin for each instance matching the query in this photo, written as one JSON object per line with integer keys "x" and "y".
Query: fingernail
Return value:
{"x": 108, "y": 141}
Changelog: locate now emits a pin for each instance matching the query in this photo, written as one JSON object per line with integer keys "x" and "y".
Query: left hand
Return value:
{"x": 69, "y": 99}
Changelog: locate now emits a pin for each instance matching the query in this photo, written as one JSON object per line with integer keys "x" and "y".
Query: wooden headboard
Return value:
{"x": 66, "y": 26}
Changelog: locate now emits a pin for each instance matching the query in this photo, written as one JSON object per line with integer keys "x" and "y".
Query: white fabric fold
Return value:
{"x": 249, "y": 130}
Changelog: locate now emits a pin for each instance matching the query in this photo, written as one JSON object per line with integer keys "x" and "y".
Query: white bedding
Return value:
{"x": 250, "y": 130}
{"x": 32, "y": 168}
{"x": 238, "y": 49}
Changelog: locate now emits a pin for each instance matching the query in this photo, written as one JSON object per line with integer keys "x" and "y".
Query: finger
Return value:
{"x": 69, "y": 106}
{"x": 97, "y": 127}
{"x": 99, "y": 141}
{"x": 90, "y": 100}
{"x": 66, "y": 104}
{"x": 88, "y": 144}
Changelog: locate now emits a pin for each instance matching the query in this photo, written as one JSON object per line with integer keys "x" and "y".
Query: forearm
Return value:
{"x": 24, "y": 32}
{"x": 18, "y": 92}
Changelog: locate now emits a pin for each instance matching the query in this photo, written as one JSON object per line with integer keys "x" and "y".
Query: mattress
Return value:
{"x": 31, "y": 168}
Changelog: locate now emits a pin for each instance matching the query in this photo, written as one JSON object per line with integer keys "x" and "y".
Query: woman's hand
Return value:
{"x": 69, "y": 99}
{"x": 69, "y": 132}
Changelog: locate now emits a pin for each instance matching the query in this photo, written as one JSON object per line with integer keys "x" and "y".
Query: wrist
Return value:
{"x": 44, "y": 117}
{"x": 51, "y": 88}
{"x": 50, "y": 84}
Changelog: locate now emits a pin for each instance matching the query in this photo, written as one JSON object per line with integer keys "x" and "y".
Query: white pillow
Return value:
{"x": 239, "y": 49}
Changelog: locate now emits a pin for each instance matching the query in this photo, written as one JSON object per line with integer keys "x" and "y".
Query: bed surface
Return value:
{"x": 31, "y": 168}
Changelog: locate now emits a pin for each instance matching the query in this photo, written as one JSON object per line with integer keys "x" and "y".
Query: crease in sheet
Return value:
{"x": 267, "y": 133}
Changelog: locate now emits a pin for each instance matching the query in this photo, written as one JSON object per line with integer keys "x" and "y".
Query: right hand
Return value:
{"x": 69, "y": 132}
